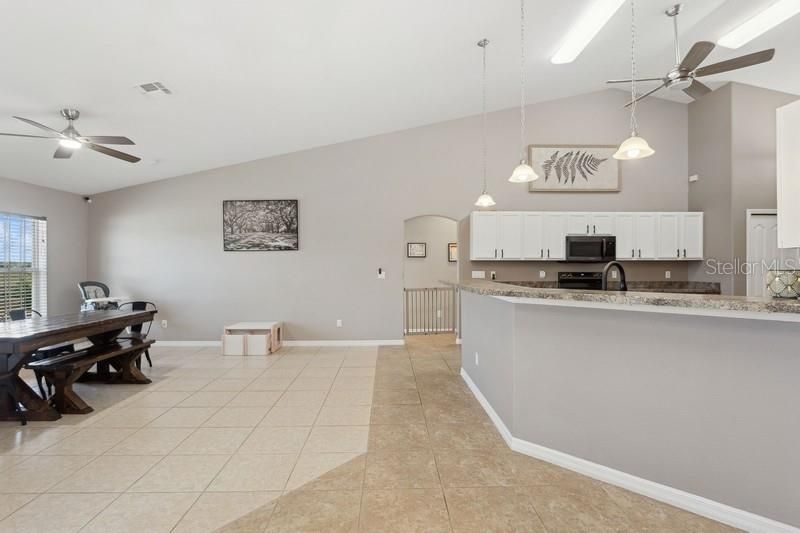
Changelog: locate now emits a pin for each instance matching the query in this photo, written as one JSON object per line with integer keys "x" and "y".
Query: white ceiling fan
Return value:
{"x": 70, "y": 140}
{"x": 686, "y": 71}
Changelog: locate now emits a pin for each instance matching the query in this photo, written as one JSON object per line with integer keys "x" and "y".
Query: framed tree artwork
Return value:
{"x": 574, "y": 168}
{"x": 260, "y": 225}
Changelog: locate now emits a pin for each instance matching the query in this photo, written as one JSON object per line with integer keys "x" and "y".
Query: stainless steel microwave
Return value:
{"x": 591, "y": 248}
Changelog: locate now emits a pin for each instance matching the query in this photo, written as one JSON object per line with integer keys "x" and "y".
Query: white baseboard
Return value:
{"x": 684, "y": 500}
{"x": 390, "y": 342}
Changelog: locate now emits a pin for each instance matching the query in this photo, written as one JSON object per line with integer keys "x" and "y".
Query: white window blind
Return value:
{"x": 23, "y": 263}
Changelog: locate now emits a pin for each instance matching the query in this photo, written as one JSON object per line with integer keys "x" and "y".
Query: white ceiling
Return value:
{"x": 256, "y": 78}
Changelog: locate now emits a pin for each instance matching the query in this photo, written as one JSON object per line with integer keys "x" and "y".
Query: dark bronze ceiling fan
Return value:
{"x": 686, "y": 71}
{"x": 70, "y": 140}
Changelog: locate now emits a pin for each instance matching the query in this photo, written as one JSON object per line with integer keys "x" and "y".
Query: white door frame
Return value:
{"x": 750, "y": 214}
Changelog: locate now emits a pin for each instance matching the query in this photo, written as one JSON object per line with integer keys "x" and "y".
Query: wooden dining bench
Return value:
{"x": 65, "y": 369}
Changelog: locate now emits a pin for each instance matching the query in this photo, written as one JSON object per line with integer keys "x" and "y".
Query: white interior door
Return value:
{"x": 510, "y": 236}
{"x": 763, "y": 252}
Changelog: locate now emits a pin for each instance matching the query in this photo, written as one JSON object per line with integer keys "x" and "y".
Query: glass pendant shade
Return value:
{"x": 523, "y": 173}
{"x": 634, "y": 147}
{"x": 485, "y": 200}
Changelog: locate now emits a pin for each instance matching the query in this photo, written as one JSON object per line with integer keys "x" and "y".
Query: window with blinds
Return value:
{"x": 23, "y": 263}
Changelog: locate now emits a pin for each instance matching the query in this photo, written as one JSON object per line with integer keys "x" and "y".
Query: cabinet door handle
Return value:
{"x": 587, "y": 229}
{"x": 495, "y": 253}
{"x": 684, "y": 252}
{"x": 541, "y": 252}
{"x": 679, "y": 252}
{"x": 640, "y": 252}
{"x": 633, "y": 254}
{"x": 502, "y": 253}
{"x": 594, "y": 229}
{"x": 548, "y": 253}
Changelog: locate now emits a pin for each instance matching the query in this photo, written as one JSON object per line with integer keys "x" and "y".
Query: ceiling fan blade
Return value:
{"x": 637, "y": 79}
{"x": 63, "y": 153}
{"x": 106, "y": 139}
{"x": 113, "y": 153}
{"x": 697, "y": 89}
{"x": 736, "y": 63}
{"x": 28, "y": 136}
{"x": 40, "y": 126}
{"x": 645, "y": 95}
{"x": 696, "y": 55}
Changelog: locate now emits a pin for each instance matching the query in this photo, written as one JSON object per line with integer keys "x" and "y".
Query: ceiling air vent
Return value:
{"x": 154, "y": 88}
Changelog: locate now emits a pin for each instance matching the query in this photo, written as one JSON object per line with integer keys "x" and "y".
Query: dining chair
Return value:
{"x": 139, "y": 331}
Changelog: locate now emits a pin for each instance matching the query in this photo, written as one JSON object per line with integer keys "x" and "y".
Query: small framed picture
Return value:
{"x": 452, "y": 252}
{"x": 416, "y": 249}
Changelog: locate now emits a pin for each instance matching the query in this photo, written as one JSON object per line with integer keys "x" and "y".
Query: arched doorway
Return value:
{"x": 429, "y": 268}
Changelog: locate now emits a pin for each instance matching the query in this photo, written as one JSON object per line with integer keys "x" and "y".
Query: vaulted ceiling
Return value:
{"x": 256, "y": 78}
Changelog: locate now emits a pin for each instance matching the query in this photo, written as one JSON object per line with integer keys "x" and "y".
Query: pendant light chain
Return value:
{"x": 483, "y": 44}
{"x": 634, "y": 124}
{"x": 522, "y": 82}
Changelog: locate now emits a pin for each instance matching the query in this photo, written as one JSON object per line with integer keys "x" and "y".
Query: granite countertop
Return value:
{"x": 709, "y": 302}
{"x": 683, "y": 287}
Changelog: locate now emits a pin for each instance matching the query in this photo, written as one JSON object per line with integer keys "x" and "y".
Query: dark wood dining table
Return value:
{"x": 19, "y": 340}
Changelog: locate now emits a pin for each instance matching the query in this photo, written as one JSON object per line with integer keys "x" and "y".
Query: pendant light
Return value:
{"x": 523, "y": 172}
{"x": 634, "y": 147}
{"x": 485, "y": 199}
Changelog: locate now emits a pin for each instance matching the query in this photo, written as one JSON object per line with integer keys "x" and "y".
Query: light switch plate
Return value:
{"x": 542, "y": 274}
{"x": 667, "y": 274}
{"x": 478, "y": 274}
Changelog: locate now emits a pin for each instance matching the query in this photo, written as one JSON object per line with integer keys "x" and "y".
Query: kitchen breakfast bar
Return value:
{"x": 692, "y": 399}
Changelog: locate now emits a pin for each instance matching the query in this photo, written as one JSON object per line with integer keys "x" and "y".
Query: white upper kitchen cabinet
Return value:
{"x": 555, "y": 233}
{"x": 691, "y": 235}
{"x": 669, "y": 240}
{"x": 579, "y": 223}
{"x": 509, "y": 236}
{"x": 646, "y": 235}
{"x": 483, "y": 235}
{"x": 533, "y": 244}
{"x": 603, "y": 223}
{"x": 625, "y": 231}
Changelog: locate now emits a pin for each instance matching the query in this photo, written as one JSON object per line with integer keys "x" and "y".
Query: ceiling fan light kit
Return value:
{"x": 70, "y": 140}
{"x": 485, "y": 199}
{"x": 777, "y": 13}
{"x": 522, "y": 173}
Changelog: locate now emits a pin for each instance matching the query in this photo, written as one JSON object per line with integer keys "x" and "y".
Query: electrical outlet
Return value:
{"x": 542, "y": 274}
{"x": 381, "y": 273}
{"x": 438, "y": 313}
{"x": 339, "y": 323}
{"x": 667, "y": 274}
{"x": 478, "y": 274}
{"x": 163, "y": 324}
{"x": 477, "y": 362}
{"x": 493, "y": 275}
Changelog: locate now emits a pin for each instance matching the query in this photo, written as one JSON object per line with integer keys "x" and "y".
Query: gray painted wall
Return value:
{"x": 695, "y": 403}
{"x": 162, "y": 241}
{"x": 732, "y": 149}
{"x": 67, "y": 229}
{"x": 430, "y": 271}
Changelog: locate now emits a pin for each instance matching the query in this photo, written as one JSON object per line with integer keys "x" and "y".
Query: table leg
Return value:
{"x": 13, "y": 389}
{"x": 65, "y": 399}
{"x": 127, "y": 370}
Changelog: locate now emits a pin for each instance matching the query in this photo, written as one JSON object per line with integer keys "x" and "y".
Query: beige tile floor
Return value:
{"x": 312, "y": 439}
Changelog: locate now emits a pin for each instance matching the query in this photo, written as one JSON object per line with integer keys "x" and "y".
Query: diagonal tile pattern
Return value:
{"x": 311, "y": 439}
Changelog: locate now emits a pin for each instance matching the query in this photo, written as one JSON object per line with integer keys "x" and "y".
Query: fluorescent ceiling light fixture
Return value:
{"x": 588, "y": 25}
{"x": 779, "y": 12}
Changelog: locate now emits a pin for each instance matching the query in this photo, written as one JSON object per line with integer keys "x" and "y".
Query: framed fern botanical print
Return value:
{"x": 574, "y": 168}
